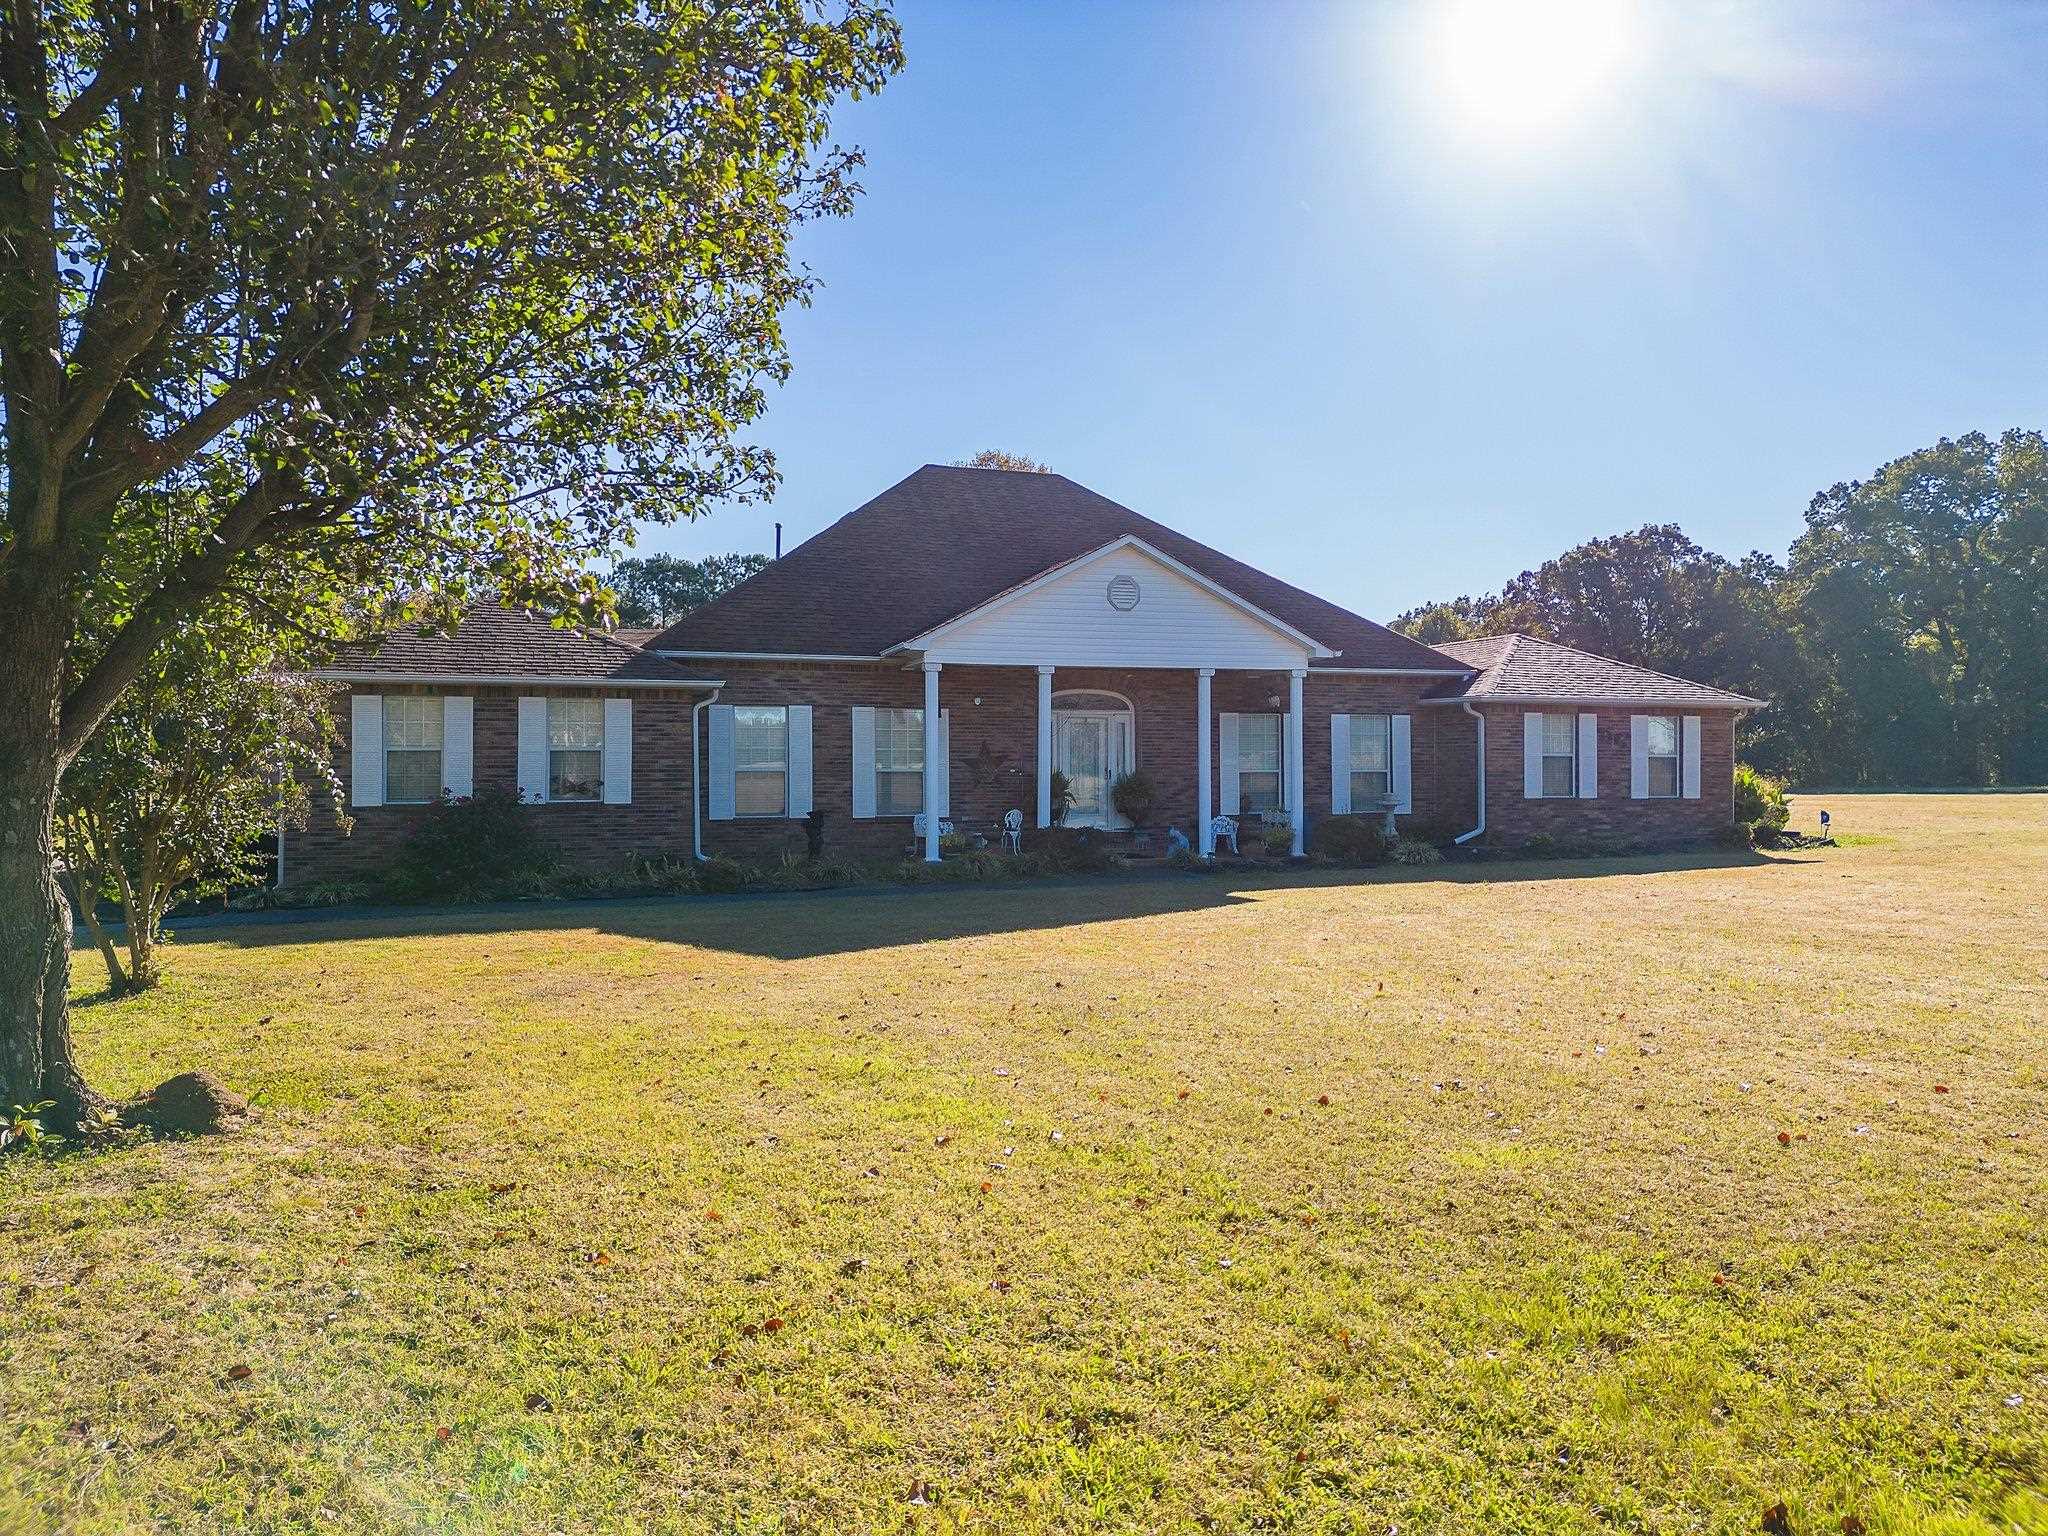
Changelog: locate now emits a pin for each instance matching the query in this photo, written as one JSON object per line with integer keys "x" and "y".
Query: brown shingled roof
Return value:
{"x": 946, "y": 540}
{"x": 495, "y": 641}
{"x": 1516, "y": 667}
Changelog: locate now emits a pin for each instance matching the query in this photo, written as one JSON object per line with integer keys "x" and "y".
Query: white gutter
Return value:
{"x": 1465, "y": 837}
{"x": 1584, "y": 701}
{"x": 761, "y": 656}
{"x": 507, "y": 680}
{"x": 1390, "y": 672}
{"x": 696, "y": 790}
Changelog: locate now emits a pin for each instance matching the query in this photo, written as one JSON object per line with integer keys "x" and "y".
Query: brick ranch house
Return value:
{"x": 959, "y": 638}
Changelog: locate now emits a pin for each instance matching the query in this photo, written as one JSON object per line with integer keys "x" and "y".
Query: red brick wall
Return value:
{"x": 994, "y": 715}
{"x": 656, "y": 823}
{"x": 994, "y": 718}
{"x": 1612, "y": 817}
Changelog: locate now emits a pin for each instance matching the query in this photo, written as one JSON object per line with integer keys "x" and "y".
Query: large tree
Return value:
{"x": 659, "y": 589}
{"x": 1944, "y": 552}
{"x": 404, "y": 299}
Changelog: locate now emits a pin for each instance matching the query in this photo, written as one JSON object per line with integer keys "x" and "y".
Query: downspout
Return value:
{"x": 696, "y": 781}
{"x": 1479, "y": 778}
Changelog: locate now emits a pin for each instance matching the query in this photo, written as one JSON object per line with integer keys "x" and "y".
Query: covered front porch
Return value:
{"x": 1128, "y": 651}
{"x": 1216, "y": 742}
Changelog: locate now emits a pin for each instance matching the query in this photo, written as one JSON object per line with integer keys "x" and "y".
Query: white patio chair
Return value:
{"x": 1223, "y": 830}
{"x": 1013, "y": 830}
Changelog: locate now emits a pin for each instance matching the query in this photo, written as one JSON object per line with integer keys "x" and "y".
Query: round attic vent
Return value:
{"x": 1123, "y": 593}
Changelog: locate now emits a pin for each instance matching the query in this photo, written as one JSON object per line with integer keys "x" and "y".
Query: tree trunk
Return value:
{"x": 85, "y": 897}
{"x": 35, "y": 919}
{"x": 145, "y": 968}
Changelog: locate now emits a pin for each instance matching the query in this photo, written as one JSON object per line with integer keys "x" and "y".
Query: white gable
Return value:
{"x": 1123, "y": 606}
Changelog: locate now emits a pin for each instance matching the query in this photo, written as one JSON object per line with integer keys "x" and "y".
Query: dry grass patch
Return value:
{"x": 1428, "y": 1201}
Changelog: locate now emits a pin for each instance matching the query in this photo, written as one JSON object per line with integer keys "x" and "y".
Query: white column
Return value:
{"x": 1045, "y": 746}
{"x": 1205, "y": 806}
{"x": 1294, "y": 795}
{"x": 933, "y": 765}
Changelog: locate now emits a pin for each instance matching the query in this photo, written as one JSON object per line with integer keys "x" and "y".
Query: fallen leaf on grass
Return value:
{"x": 1323, "y": 1099}
{"x": 772, "y": 1325}
{"x": 1784, "y": 1138}
{"x": 920, "y": 1492}
{"x": 443, "y": 1432}
{"x": 986, "y": 1186}
{"x": 943, "y": 1139}
{"x": 1851, "y": 1526}
{"x": 503, "y": 1189}
{"x": 536, "y": 1403}
{"x": 749, "y": 1330}
{"x": 1778, "y": 1520}
{"x": 1184, "y": 1093}
{"x": 239, "y": 1373}
{"x": 598, "y": 1257}
{"x": 1941, "y": 1087}
{"x": 713, "y": 1215}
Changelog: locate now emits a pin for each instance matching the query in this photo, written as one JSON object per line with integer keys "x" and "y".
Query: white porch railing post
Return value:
{"x": 1294, "y": 777}
{"x": 1205, "y": 806}
{"x": 1045, "y": 746}
{"x": 933, "y": 764}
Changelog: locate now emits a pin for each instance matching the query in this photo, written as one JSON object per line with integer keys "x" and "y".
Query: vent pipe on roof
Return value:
{"x": 778, "y": 541}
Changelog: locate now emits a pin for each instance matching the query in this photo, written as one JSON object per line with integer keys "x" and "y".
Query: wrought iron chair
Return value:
{"x": 1013, "y": 830}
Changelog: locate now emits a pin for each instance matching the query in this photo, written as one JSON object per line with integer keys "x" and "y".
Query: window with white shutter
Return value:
{"x": 760, "y": 760}
{"x": 412, "y": 748}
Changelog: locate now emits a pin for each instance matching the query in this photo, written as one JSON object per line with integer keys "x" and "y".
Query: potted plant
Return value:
{"x": 1134, "y": 794}
{"x": 1061, "y": 793}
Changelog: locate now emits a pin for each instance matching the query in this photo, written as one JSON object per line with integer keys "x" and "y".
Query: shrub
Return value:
{"x": 1134, "y": 794}
{"x": 1349, "y": 840}
{"x": 1277, "y": 836}
{"x": 1760, "y": 808}
{"x": 1069, "y": 850}
{"x": 476, "y": 846}
{"x": 1413, "y": 850}
{"x": 721, "y": 876}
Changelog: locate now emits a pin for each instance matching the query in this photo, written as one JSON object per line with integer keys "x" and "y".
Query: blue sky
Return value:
{"x": 1396, "y": 305}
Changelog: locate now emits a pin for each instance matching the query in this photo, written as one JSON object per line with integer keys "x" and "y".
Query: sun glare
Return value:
{"x": 1505, "y": 72}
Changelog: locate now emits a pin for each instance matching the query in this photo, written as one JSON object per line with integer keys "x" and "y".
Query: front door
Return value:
{"x": 1093, "y": 751}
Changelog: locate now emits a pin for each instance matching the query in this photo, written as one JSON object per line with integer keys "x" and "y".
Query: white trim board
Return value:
{"x": 484, "y": 680}
{"x": 934, "y": 638}
{"x": 1569, "y": 701}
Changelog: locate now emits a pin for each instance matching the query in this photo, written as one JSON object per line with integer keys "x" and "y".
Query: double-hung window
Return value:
{"x": 1372, "y": 757}
{"x": 899, "y": 762}
{"x": 1560, "y": 756}
{"x": 575, "y": 748}
{"x": 412, "y": 748}
{"x": 760, "y": 760}
{"x": 1662, "y": 737}
{"x": 1259, "y": 779}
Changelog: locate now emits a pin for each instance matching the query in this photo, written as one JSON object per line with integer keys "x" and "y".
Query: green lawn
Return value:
{"x": 1420, "y": 1201}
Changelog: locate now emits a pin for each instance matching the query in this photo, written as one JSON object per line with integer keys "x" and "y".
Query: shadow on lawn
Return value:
{"x": 803, "y": 925}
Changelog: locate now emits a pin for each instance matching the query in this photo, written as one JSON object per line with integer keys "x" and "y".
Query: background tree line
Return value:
{"x": 1901, "y": 641}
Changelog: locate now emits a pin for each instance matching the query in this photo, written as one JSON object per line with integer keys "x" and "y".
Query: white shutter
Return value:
{"x": 366, "y": 749}
{"x": 458, "y": 745}
{"x": 1689, "y": 782}
{"x": 1226, "y": 764}
{"x": 721, "y": 770}
{"x": 1589, "y": 757}
{"x": 533, "y": 749}
{"x": 945, "y": 780}
{"x": 618, "y": 751}
{"x": 799, "y": 759}
{"x": 1340, "y": 765}
{"x": 1404, "y": 779}
{"x": 863, "y": 762}
{"x": 1532, "y": 756}
{"x": 1639, "y": 757}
